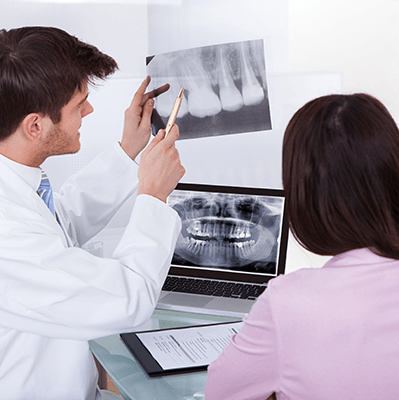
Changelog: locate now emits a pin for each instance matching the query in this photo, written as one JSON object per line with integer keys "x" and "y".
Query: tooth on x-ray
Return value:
{"x": 219, "y": 80}
{"x": 164, "y": 103}
{"x": 258, "y": 63}
{"x": 202, "y": 100}
{"x": 252, "y": 91}
{"x": 227, "y": 231}
{"x": 230, "y": 96}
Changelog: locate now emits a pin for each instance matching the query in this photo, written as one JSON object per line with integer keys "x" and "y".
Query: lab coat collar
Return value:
{"x": 19, "y": 184}
{"x": 31, "y": 175}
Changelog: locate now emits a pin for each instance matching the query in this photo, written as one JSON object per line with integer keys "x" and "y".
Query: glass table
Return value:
{"x": 131, "y": 380}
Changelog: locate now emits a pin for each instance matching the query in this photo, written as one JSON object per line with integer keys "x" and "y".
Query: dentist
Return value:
{"x": 54, "y": 296}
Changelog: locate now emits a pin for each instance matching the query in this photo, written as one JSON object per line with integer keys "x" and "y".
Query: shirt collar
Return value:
{"x": 362, "y": 256}
{"x": 31, "y": 175}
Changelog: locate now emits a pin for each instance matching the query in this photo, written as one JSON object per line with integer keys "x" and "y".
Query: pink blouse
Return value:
{"x": 318, "y": 334}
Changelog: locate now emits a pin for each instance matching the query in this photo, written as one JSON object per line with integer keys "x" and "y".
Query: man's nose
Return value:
{"x": 87, "y": 109}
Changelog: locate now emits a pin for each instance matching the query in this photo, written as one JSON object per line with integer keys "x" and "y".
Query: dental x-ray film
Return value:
{"x": 235, "y": 232}
{"x": 225, "y": 89}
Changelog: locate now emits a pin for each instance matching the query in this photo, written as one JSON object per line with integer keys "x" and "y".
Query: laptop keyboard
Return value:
{"x": 213, "y": 288}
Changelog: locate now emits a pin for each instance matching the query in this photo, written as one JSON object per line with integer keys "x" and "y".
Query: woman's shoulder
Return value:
{"x": 355, "y": 273}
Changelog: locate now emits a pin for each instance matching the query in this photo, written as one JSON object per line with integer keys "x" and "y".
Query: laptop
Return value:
{"x": 232, "y": 242}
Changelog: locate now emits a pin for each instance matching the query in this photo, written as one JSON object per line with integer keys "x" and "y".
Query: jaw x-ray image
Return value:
{"x": 225, "y": 90}
{"x": 228, "y": 231}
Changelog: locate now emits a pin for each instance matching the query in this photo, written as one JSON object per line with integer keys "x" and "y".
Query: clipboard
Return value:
{"x": 179, "y": 350}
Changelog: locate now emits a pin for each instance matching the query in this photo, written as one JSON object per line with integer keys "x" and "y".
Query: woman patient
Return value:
{"x": 333, "y": 332}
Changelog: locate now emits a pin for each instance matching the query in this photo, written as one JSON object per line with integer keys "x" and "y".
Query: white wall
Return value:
{"x": 357, "y": 37}
{"x": 119, "y": 30}
{"x": 312, "y": 47}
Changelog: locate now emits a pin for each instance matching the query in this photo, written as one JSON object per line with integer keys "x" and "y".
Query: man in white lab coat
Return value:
{"x": 54, "y": 296}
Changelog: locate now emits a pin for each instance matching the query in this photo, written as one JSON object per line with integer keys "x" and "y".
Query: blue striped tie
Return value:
{"x": 45, "y": 192}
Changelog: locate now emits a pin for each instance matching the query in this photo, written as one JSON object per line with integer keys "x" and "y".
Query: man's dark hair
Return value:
{"x": 40, "y": 70}
{"x": 341, "y": 175}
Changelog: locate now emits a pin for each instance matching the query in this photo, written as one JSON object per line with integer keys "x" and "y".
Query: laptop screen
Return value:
{"x": 229, "y": 233}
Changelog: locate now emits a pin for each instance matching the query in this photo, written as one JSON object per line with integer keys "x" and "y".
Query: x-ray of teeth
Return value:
{"x": 226, "y": 231}
{"x": 225, "y": 90}
{"x": 230, "y": 96}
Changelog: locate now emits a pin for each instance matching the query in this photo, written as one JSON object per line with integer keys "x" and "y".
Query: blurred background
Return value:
{"x": 312, "y": 48}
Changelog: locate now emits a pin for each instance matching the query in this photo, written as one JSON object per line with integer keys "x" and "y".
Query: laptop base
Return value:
{"x": 220, "y": 306}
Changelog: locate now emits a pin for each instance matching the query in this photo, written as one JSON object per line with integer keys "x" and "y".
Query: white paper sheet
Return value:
{"x": 188, "y": 347}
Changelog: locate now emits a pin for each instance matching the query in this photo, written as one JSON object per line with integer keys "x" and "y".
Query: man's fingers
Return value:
{"x": 145, "y": 122}
{"x": 140, "y": 99}
{"x": 156, "y": 92}
{"x": 144, "y": 85}
{"x": 139, "y": 95}
{"x": 157, "y": 138}
{"x": 141, "y": 90}
{"x": 172, "y": 136}
{"x": 169, "y": 140}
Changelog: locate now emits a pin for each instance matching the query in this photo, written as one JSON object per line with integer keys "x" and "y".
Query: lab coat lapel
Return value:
{"x": 16, "y": 191}
{"x": 51, "y": 220}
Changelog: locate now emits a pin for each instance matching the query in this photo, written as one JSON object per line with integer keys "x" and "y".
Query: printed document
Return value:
{"x": 188, "y": 347}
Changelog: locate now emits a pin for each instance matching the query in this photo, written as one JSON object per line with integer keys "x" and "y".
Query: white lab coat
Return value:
{"x": 55, "y": 297}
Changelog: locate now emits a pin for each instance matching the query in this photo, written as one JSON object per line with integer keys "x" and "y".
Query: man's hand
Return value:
{"x": 160, "y": 169}
{"x": 137, "y": 125}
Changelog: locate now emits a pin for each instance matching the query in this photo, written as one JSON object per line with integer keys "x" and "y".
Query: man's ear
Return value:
{"x": 34, "y": 126}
